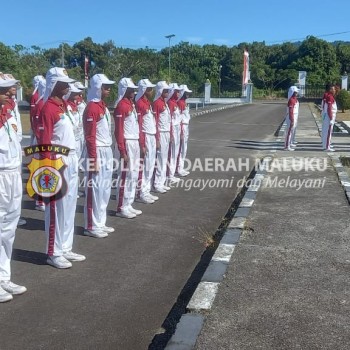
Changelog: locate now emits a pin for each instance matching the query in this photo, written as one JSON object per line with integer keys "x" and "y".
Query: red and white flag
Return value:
{"x": 246, "y": 72}
{"x": 86, "y": 70}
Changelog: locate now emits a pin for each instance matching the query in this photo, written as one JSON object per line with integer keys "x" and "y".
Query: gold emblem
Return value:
{"x": 46, "y": 181}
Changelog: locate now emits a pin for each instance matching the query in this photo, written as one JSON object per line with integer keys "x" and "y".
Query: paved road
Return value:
{"x": 119, "y": 297}
{"x": 287, "y": 284}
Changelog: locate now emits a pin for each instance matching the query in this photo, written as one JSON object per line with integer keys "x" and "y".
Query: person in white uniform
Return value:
{"x": 73, "y": 93}
{"x": 291, "y": 118}
{"x": 185, "y": 121}
{"x": 329, "y": 113}
{"x": 175, "y": 133}
{"x": 163, "y": 124}
{"x": 98, "y": 157}
{"x": 10, "y": 192}
{"x": 57, "y": 127}
{"x": 128, "y": 148}
{"x": 148, "y": 140}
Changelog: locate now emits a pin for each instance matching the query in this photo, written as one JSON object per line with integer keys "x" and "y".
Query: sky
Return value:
{"x": 139, "y": 24}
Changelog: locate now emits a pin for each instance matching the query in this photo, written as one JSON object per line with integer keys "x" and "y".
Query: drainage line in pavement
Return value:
{"x": 169, "y": 325}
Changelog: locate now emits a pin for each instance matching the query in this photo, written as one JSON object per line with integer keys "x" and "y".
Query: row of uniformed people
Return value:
{"x": 141, "y": 132}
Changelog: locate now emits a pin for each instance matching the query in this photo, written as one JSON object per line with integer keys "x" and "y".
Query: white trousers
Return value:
{"x": 79, "y": 147}
{"x": 128, "y": 175}
{"x": 149, "y": 162}
{"x": 10, "y": 210}
{"x": 296, "y": 117}
{"x": 327, "y": 129}
{"x": 174, "y": 150}
{"x": 162, "y": 159}
{"x": 60, "y": 214}
{"x": 98, "y": 190}
{"x": 289, "y": 133}
{"x": 183, "y": 148}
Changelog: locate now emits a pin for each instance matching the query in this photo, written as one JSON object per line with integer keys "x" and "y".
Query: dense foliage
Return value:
{"x": 273, "y": 67}
{"x": 343, "y": 100}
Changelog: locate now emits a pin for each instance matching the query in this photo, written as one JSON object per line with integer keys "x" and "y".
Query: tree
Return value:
{"x": 8, "y": 61}
{"x": 343, "y": 100}
{"x": 319, "y": 59}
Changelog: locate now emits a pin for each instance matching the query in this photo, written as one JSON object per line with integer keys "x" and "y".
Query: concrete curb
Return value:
{"x": 340, "y": 125}
{"x": 343, "y": 176}
{"x": 203, "y": 298}
{"x": 196, "y": 114}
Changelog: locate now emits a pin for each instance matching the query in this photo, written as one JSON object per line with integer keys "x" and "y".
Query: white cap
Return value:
{"x": 41, "y": 90}
{"x": 7, "y": 80}
{"x": 58, "y": 74}
{"x": 54, "y": 75}
{"x": 79, "y": 85}
{"x": 102, "y": 79}
{"x": 184, "y": 89}
{"x": 160, "y": 86}
{"x": 143, "y": 85}
{"x": 126, "y": 83}
{"x": 291, "y": 91}
{"x": 96, "y": 82}
{"x": 72, "y": 89}
{"x": 36, "y": 80}
{"x": 173, "y": 87}
{"x": 123, "y": 85}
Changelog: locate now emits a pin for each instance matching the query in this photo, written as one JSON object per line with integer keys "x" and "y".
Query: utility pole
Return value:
{"x": 220, "y": 80}
{"x": 169, "y": 37}
{"x": 62, "y": 54}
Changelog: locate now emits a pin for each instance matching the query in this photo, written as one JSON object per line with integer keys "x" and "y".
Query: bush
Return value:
{"x": 343, "y": 100}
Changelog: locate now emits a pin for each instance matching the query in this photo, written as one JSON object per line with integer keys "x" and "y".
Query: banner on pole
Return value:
{"x": 246, "y": 72}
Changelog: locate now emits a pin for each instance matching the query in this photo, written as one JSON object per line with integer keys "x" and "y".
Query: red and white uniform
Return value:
{"x": 35, "y": 123}
{"x": 291, "y": 117}
{"x": 33, "y": 101}
{"x": 163, "y": 124}
{"x": 185, "y": 121}
{"x": 148, "y": 141}
{"x": 81, "y": 104}
{"x": 77, "y": 127}
{"x": 175, "y": 135}
{"x": 12, "y": 107}
{"x": 35, "y": 109}
{"x": 97, "y": 130}
{"x": 57, "y": 127}
{"x": 38, "y": 82}
{"x": 329, "y": 115}
{"x": 127, "y": 137}
{"x": 10, "y": 189}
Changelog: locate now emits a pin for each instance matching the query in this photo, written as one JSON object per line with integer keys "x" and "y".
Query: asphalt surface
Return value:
{"x": 120, "y": 296}
{"x": 287, "y": 286}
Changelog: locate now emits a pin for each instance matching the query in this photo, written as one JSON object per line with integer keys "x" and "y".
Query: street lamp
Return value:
{"x": 220, "y": 80}
{"x": 169, "y": 37}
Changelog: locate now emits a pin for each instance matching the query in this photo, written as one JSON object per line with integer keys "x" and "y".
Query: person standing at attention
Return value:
{"x": 292, "y": 116}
